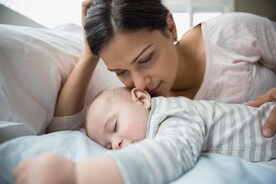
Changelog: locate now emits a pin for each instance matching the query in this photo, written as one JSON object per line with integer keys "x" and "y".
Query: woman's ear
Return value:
{"x": 142, "y": 97}
{"x": 171, "y": 26}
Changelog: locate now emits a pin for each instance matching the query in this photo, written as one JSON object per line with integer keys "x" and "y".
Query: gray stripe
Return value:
{"x": 242, "y": 137}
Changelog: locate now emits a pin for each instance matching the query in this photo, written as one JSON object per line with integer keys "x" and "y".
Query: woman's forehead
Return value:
{"x": 125, "y": 47}
{"x": 126, "y": 42}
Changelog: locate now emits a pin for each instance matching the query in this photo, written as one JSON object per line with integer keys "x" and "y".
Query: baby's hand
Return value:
{"x": 46, "y": 169}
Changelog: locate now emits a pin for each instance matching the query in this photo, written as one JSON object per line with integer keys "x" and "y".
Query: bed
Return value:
{"x": 34, "y": 64}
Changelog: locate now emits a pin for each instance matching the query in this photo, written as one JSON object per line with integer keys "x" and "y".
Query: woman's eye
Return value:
{"x": 146, "y": 60}
{"x": 120, "y": 73}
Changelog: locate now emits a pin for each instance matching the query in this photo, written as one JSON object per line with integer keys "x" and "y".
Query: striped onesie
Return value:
{"x": 180, "y": 129}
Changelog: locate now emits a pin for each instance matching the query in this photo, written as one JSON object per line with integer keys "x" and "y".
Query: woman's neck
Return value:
{"x": 191, "y": 68}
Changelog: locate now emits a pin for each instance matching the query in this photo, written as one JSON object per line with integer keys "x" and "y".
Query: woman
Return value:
{"x": 230, "y": 58}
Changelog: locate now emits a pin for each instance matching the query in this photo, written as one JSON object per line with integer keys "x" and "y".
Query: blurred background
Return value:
{"x": 51, "y": 13}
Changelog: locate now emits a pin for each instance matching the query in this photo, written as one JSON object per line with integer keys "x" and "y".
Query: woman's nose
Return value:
{"x": 141, "y": 82}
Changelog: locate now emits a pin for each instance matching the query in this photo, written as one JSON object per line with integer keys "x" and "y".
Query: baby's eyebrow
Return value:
{"x": 107, "y": 123}
{"x": 106, "y": 132}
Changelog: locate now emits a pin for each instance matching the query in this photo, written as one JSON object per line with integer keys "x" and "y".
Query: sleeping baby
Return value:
{"x": 162, "y": 138}
{"x": 173, "y": 132}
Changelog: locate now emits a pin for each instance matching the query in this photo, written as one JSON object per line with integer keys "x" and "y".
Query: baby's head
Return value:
{"x": 118, "y": 117}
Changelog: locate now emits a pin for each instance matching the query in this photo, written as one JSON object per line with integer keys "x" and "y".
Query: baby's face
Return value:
{"x": 115, "y": 126}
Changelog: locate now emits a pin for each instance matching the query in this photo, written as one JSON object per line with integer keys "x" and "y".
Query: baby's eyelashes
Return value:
{"x": 115, "y": 127}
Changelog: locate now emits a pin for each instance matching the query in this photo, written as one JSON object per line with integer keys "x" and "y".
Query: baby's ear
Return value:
{"x": 142, "y": 97}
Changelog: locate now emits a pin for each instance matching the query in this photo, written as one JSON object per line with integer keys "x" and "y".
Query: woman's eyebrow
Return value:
{"x": 144, "y": 50}
{"x": 135, "y": 59}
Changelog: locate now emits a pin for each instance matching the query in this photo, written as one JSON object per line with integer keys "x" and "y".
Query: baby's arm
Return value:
{"x": 171, "y": 153}
{"x": 55, "y": 169}
{"x": 45, "y": 169}
{"x": 98, "y": 170}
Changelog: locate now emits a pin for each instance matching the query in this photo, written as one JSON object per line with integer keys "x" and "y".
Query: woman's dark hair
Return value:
{"x": 106, "y": 17}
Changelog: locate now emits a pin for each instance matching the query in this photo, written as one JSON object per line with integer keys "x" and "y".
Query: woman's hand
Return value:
{"x": 46, "y": 169}
{"x": 85, "y": 6}
{"x": 269, "y": 127}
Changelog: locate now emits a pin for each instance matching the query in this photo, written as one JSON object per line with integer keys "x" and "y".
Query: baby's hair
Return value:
{"x": 116, "y": 94}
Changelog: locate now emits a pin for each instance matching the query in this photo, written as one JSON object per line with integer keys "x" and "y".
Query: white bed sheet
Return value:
{"x": 34, "y": 63}
{"x": 75, "y": 145}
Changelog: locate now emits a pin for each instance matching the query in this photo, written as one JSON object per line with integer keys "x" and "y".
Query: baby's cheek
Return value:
{"x": 134, "y": 132}
{"x": 130, "y": 130}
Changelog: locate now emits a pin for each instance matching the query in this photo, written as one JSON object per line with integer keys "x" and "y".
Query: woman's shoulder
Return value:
{"x": 238, "y": 16}
{"x": 235, "y": 18}
{"x": 229, "y": 27}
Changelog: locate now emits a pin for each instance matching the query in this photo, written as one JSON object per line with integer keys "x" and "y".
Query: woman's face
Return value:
{"x": 143, "y": 59}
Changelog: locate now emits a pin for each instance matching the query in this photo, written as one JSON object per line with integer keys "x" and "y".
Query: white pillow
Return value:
{"x": 34, "y": 63}
{"x": 101, "y": 79}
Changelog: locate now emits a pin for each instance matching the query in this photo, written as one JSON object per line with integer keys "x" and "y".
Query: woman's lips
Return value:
{"x": 154, "y": 90}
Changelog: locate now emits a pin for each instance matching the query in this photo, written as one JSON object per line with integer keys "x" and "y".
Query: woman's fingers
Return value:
{"x": 269, "y": 127}
{"x": 85, "y": 6}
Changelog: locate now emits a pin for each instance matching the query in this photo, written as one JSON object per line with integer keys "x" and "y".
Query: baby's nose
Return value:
{"x": 121, "y": 143}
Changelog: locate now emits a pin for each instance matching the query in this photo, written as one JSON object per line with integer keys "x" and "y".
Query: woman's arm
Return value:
{"x": 71, "y": 98}
{"x": 269, "y": 127}
{"x": 265, "y": 38}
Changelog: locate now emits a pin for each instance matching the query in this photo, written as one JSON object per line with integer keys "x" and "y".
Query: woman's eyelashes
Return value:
{"x": 143, "y": 61}
{"x": 147, "y": 59}
{"x": 120, "y": 73}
